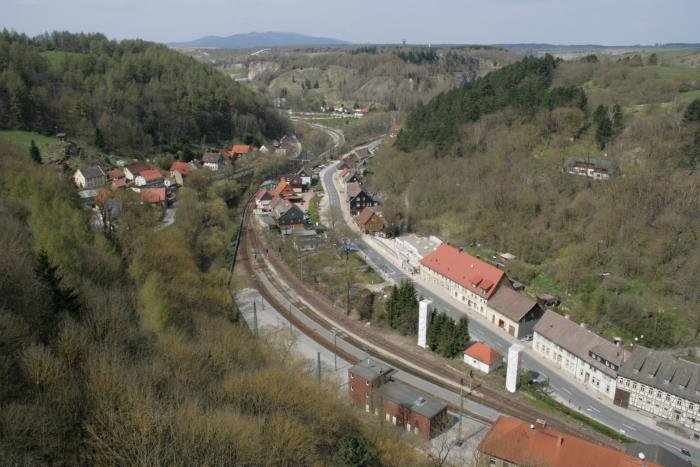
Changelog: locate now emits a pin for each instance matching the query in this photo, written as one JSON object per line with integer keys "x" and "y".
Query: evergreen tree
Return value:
{"x": 653, "y": 60}
{"x": 603, "y": 132}
{"x": 355, "y": 451}
{"x": 99, "y": 139}
{"x": 63, "y": 299}
{"x": 692, "y": 112}
{"x": 34, "y": 152}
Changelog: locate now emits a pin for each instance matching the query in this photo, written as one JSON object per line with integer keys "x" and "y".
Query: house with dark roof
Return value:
{"x": 467, "y": 278}
{"x": 597, "y": 169}
{"x": 213, "y": 161}
{"x": 263, "y": 198}
{"x": 659, "y": 384}
{"x": 89, "y": 177}
{"x": 286, "y": 215}
{"x": 655, "y": 453}
{"x": 358, "y": 199}
{"x": 511, "y": 442}
{"x": 588, "y": 358}
{"x": 369, "y": 221}
{"x": 513, "y": 312}
{"x": 371, "y": 388}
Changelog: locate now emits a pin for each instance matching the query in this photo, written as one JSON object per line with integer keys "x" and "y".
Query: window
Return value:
{"x": 352, "y": 388}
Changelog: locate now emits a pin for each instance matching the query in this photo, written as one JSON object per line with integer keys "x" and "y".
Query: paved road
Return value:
{"x": 566, "y": 390}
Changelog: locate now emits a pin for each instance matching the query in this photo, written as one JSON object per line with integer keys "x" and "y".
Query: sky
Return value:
{"x": 605, "y": 22}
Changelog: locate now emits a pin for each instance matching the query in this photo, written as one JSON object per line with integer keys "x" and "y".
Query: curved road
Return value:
{"x": 565, "y": 389}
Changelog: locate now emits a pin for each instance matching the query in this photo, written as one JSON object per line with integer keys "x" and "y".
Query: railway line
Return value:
{"x": 257, "y": 265}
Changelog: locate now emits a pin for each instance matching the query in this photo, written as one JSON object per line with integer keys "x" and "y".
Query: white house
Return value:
{"x": 411, "y": 249}
{"x": 587, "y": 357}
{"x": 482, "y": 357}
{"x": 213, "y": 161}
{"x": 597, "y": 169}
{"x": 89, "y": 177}
{"x": 149, "y": 177}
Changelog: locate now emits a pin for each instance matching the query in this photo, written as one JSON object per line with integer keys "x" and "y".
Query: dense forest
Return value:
{"x": 128, "y": 96}
{"x": 482, "y": 166}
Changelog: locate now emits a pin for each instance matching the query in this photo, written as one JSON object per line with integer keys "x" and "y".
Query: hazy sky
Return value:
{"x": 610, "y": 22}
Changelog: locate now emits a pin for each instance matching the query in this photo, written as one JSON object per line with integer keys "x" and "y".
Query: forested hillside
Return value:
{"x": 129, "y": 352}
{"x": 483, "y": 166}
{"x": 129, "y": 96}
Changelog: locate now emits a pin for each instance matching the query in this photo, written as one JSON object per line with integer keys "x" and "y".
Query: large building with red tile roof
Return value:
{"x": 467, "y": 278}
{"x": 511, "y": 442}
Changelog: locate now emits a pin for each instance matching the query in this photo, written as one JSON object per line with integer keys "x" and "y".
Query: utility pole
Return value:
{"x": 318, "y": 366}
{"x": 461, "y": 409}
{"x": 255, "y": 319}
{"x": 335, "y": 353}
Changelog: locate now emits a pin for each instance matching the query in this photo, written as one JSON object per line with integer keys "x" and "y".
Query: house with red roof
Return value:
{"x": 153, "y": 195}
{"x": 263, "y": 198}
{"x": 467, "y": 278}
{"x": 284, "y": 189}
{"x": 149, "y": 177}
{"x": 482, "y": 357}
{"x": 241, "y": 150}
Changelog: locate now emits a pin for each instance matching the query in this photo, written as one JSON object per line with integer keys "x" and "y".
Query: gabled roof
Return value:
{"x": 353, "y": 189}
{"x": 281, "y": 187}
{"x": 464, "y": 269}
{"x": 483, "y": 353}
{"x": 512, "y": 304}
{"x": 115, "y": 174}
{"x": 655, "y": 453}
{"x": 153, "y": 195}
{"x": 366, "y": 215}
{"x": 580, "y": 341}
{"x": 137, "y": 167}
{"x": 182, "y": 167}
{"x": 664, "y": 372}
{"x": 120, "y": 183}
{"x": 211, "y": 158}
{"x": 241, "y": 149}
{"x": 151, "y": 175}
{"x": 92, "y": 171}
{"x": 362, "y": 153}
{"x": 304, "y": 172}
{"x": 522, "y": 444}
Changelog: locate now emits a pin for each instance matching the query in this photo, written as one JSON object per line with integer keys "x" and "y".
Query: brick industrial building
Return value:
{"x": 371, "y": 388}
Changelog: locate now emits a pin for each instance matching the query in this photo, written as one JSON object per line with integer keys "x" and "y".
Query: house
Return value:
{"x": 513, "y": 312}
{"x": 597, "y": 169}
{"x": 306, "y": 177}
{"x": 511, "y": 442}
{"x": 661, "y": 385}
{"x": 117, "y": 184}
{"x": 588, "y": 358}
{"x": 150, "y": 177}
{"x": 482, "y": 357}
{"x": 89, "y": 177}
{"x": 394, "y": 130}
{"x": 411, "y": 249}
{"x": 283, "y": 189}
{"x": 466, "y": 278}
{"x": 263, "y": 198}
{"x": 362, "y": 154}
{"x": 183, "y": 168}
{"x": 115, "y": 174}
{"x": 297, "y": 184}
{"x": 369, "y": 221}
{"x": 88, "y": 197}
{"x": 358, "y": 199}
{"x": 213, "y": 161}
{"x": 241, "y": 150}
{"x": 655, "y": 453}
{"x": 371, "y": 388}
{"x": 153, "y": 195}
{"x": 286, "y": 215}
{"x": 131, "y": 171}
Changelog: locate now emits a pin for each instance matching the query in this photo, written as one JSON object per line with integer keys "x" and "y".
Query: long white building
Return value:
{"x": 587, "y": 357}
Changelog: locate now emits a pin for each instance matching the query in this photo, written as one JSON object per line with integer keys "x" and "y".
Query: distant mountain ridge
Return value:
{"x": 258, "y": 39}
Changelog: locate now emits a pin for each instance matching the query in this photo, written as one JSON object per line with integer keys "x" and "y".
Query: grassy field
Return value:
{"x": 690, "y": 96}
{"x": 22, "y": 139}
{"x": 673, "y": 72}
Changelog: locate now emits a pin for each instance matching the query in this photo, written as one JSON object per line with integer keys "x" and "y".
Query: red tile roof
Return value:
{"x": 283, "y": 189}
{"x": 182, "y": 167}
{"x": 119, "y": 183}
{"x": 153, "y": 195}
{"x": 263, "y": 193}
{"x": 151, "y": 175}
{"x": 115, "y": 174}
{"x": 240, "y": 149}
{"x": 464, "y": 269}
{"x": 365, "y": 216}
{"x": 483, "y": 353}
{"x": 520, "y": 444}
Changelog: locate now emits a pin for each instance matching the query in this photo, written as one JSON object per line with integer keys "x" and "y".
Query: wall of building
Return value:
{"x": 481, "y": 366}
{"x": 508, "y": 325}
{"x": 661, "y": 403}
{"x": 473, "y": 301}
{"x": 411, "y": 421}
{"x": 592, "y": 378}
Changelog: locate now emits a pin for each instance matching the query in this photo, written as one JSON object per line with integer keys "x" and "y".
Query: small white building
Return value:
{"x": 587, "y": 357}
{"x": 411, "y": 249}
{"x": 482, "y": 357}
{"x": 213, "y": 161}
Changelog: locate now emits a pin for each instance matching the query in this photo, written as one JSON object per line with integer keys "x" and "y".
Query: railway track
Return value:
{"x": 328, "y": 316}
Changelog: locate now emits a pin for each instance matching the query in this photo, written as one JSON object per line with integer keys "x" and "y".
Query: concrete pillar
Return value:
{"x": 423, "y": 322}
{"x": 513, "y": 364}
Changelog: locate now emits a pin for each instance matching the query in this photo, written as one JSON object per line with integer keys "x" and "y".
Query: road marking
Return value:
{"x": 566, "y": 391}
{"x": 629, "y": 427}
{"x": 671, "y": 445}
{"x": 592, "y": 409}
